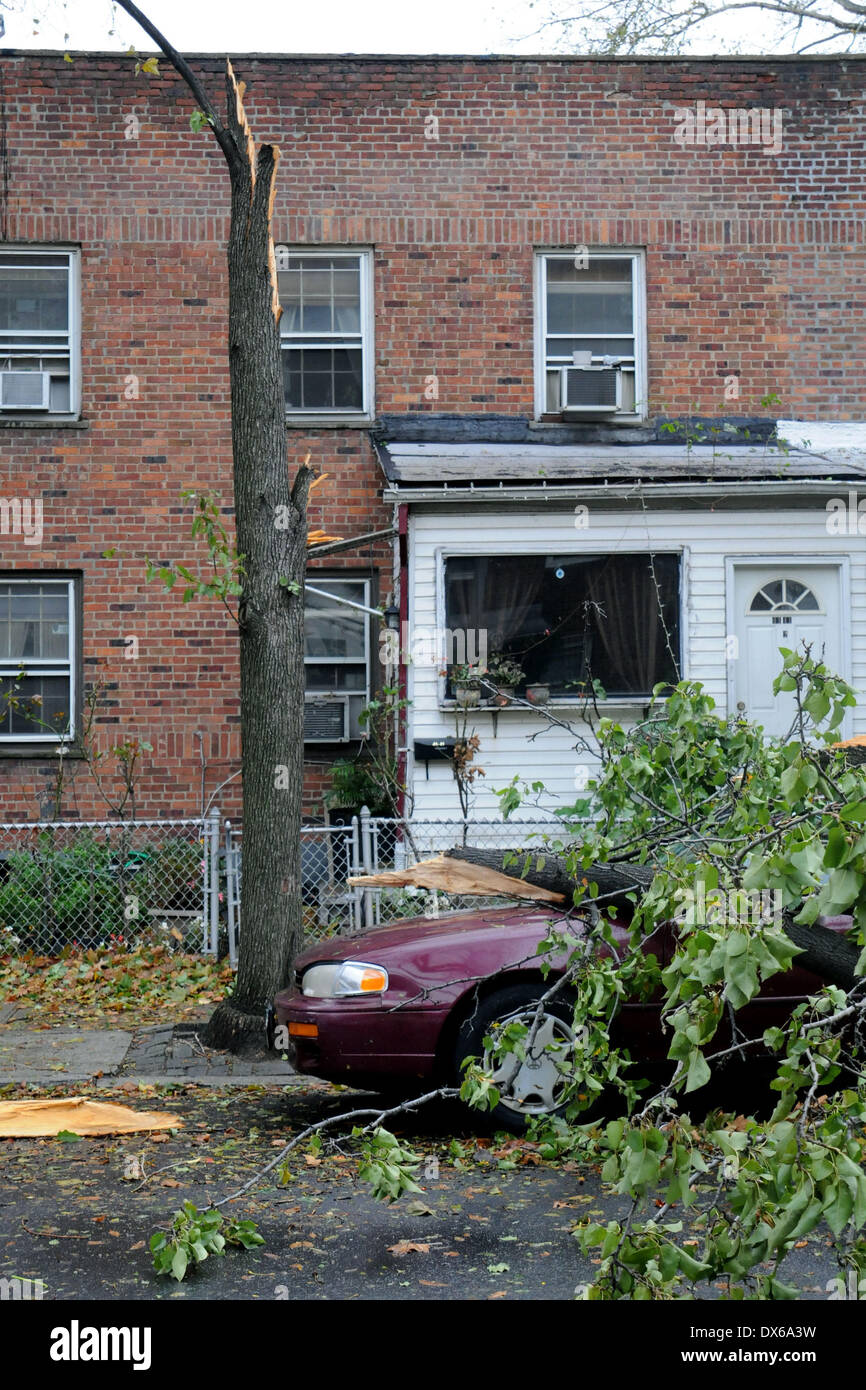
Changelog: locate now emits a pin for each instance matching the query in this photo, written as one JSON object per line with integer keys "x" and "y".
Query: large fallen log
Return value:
{"x": 825, "y": 952}
{"x": 457, "y": 876}
{"x": 552, "y": 872}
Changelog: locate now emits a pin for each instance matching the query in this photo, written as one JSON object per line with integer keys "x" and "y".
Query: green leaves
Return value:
{"x": 698, "y": 1073}
{"x": 194, "y": 1236}
{"x": 227, "y": 565}
{"x": 388, "y": 1167}
{"x": 739, "y": 831}
{"x": 842, "y": 889}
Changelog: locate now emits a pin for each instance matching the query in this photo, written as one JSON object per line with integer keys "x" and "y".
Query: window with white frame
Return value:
{"x": 38, "y": 332}
{"x": 326, "y": 331}
{"x": 590, "y": 348}
{"x": 337, "y": 658}
{"x": 37, "y": 659}
{"x": 568, "y": 620}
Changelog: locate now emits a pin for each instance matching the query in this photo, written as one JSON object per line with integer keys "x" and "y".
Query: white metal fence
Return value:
{"x": 81, "y": 884}
{"x": 330, "y": 855}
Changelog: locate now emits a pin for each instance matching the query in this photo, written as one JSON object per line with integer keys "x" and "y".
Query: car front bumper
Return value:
{"x": 356, "y": 1041}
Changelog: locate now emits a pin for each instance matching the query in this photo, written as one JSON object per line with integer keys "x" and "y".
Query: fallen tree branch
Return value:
{"x": 824, "y": 952}
{"x": 443, "y": 1093}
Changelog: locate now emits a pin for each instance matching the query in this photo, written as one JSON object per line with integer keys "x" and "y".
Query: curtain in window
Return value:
{"x": 499, "y": 600}
{"x": 511, "y": 590}
{"x": 629, "y": 624}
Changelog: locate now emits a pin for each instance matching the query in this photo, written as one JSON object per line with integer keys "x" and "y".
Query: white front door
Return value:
{"x": 781, "y": 606}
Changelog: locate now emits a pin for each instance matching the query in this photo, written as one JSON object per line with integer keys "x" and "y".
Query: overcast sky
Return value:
{"x": 253, "y": 26}
{"x": 336, "y": 26}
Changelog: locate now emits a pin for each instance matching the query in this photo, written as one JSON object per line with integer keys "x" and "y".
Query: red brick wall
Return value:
{"x": 755, "y": 265}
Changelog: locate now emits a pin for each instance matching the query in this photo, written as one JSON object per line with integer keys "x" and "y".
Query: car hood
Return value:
{"x": 369, "y": 945}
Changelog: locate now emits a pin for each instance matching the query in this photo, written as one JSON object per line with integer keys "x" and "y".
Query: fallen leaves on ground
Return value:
{"x": 146, "y": 985}
{"x": 408, "y": 1247}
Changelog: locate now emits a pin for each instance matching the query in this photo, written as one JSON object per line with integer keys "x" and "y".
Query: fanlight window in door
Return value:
{"x": 784, "y": 596}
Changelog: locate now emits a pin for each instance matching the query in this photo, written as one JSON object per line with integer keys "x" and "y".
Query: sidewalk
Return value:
{"x": 156, "y": 1055}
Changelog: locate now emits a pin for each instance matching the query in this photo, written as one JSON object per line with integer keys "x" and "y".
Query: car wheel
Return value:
{"x": 527, "y": 1088}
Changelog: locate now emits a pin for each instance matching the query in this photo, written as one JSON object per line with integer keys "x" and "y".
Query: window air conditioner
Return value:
{"x": 24, "y": 390}
{"x": 591, "y": 389}
{"x": 326, "y": 718}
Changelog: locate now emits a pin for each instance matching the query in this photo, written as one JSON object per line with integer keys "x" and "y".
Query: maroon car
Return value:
{"x": 405, "y": 1004}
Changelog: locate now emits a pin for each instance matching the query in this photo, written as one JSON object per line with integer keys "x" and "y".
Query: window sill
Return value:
{"x": 630, "y": 707}
{"x": 341, "y": 422}
{"x": 59, "y": 422}
{"x": 545, "y": 421}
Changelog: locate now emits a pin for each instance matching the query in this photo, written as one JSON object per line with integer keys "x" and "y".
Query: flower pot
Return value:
{"x": 504, "y": 695}
{"x": 467, "y": 695}
{"x": 538, "y": 694}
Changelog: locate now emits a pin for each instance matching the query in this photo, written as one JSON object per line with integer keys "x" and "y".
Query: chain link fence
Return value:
{"x": 330, "y": 855}
{"x": 81, "y": 884}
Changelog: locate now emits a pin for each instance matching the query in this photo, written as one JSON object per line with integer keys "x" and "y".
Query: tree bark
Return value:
{"x": 271, "y": 614}
{"x": 271, "y": 531}
{"x": 826, "y": 953}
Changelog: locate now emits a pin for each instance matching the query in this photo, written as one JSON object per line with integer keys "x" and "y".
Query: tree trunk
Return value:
{"x": 271, "y": 531}
{"x": 826, "y": 953}
{"x": 271, "y": 614}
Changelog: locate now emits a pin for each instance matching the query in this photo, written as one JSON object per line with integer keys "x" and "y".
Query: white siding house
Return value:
{"x": 763, "y": 550}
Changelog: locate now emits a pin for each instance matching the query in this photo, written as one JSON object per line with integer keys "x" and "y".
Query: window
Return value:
{"x": 590, "y": 321}
{"x": 570, "y": 619}
{"x": 337, "y": 658}
{"x": 326, "y": 331}
{"x": 784, "y": 596}
{"x": 38, "y": 333}
{"x": 37, "y": 637}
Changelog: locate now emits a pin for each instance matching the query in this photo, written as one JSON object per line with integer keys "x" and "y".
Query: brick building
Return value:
{"x": 541, "y": 317}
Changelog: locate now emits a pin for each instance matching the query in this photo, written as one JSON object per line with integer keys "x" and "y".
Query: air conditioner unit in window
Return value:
{"x": 24, "y": 390}
{"x": 326, "y": 718}
{"x": 591, "y": 389}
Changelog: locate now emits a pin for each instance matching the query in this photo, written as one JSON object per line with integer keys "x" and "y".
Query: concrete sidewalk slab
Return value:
{"x": 154, "y": 1055}
{"x": 51, "y": 1055}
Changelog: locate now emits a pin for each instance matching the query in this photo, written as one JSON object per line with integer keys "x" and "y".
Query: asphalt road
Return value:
{"x": 493, "y": 1225}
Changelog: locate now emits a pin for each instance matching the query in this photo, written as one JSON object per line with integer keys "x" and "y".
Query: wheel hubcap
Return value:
{"x": 534, "y": 1085}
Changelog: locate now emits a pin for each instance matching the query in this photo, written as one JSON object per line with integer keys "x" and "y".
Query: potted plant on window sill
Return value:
{"x": 538, "y": 694}
{"x": 505, "y": 676}
{"x": 466, "y": 680}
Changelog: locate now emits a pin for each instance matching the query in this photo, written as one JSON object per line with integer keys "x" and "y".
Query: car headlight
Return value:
{"x": 332, "y": 979}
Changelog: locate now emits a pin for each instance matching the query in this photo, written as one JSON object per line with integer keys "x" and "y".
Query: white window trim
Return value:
{"x": 47, "y": 667}
{"x": 485, "y": 549}
{"x": 326, "y": 582}
{"x": 74, "y": 307}
{"x": 365, "y": 416}
{"x": 638, "y": 258}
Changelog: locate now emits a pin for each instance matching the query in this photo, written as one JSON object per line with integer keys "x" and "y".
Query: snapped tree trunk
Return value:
{"x": 825, "y": 952}
{"x": 271, "y": 533}
{"x": 271, "y": 538}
